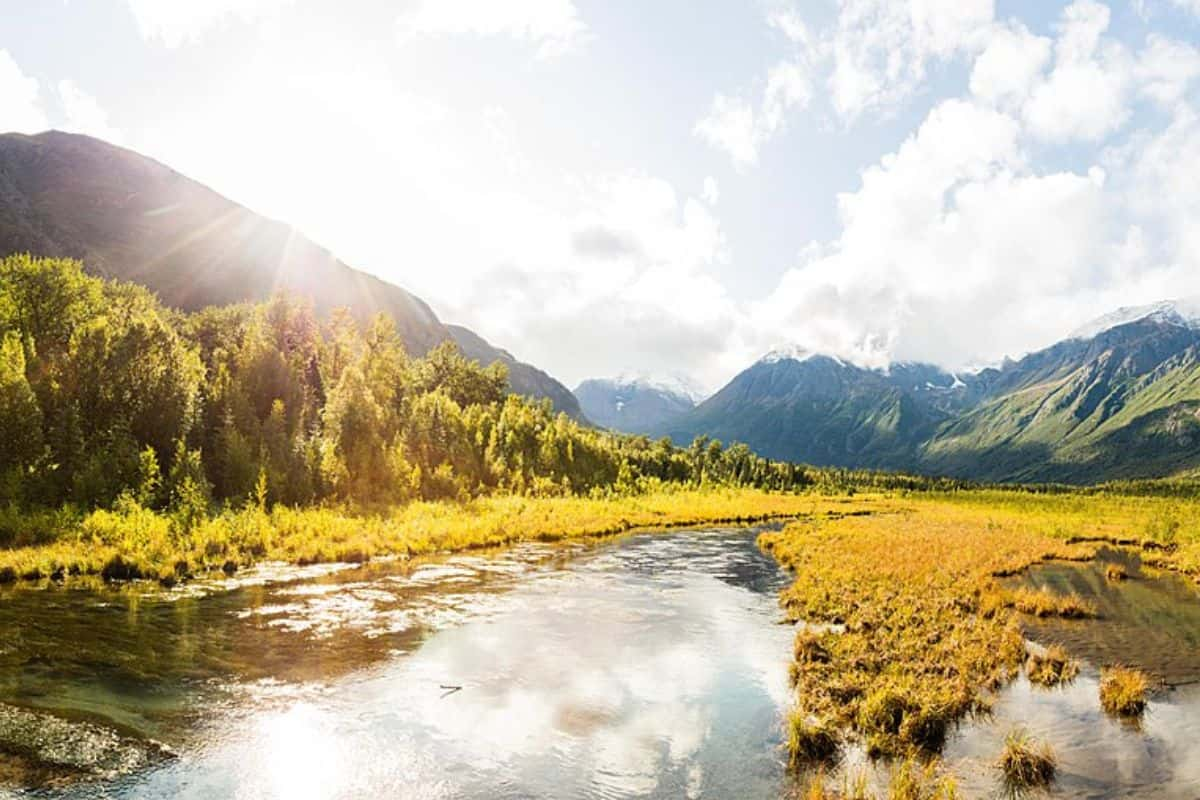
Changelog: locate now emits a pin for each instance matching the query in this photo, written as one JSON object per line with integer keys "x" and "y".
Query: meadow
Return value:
{"x": 130, "y": 541}
{"x": 906, "y": 626}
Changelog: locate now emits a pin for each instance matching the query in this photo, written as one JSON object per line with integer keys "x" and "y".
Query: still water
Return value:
{"x": 1151, "y": 622}
{"x": 648, "y": 666}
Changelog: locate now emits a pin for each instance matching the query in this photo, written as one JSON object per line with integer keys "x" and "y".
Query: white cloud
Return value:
{"x": 1010, "y": 64}
{"x": 881, "y": 49}
{"x": 1188, "y": 5}
{"x": 20, "y": 111}
{"x": 711, "y": 193}
{"x": 83, "y": 114}
{"x": 553, "y": 25}
{"x": 875, "y": 55}
{"x": 732, "y": 125}
{"x": 1166, "y": 69}
{"x": 1086, "y": 95}
{"x": 175, "y": 22}
{"x": 738, "y": 128}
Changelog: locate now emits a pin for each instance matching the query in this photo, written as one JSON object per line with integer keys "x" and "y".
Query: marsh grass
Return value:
{"x": 130, "y": 541}
{"x": 919, "y": 631}
{"x": 1051, "y": 667}
{"x": 1123, "y": 691}
{"x": 1116, "y": 573}
{"x": 1044, "y": 603}
{"x": 1025, "y": 763}
{"x": 811, "y": 741}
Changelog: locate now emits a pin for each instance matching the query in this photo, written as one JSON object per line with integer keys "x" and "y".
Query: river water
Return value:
{"x": 648, "y": 666}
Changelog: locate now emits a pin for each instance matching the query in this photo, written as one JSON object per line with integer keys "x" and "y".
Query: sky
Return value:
{"x": 674, "y": 187}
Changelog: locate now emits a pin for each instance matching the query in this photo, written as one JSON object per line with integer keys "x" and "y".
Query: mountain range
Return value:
{"x": 636, "y": 403}
{"x": 1117, "y": 399}
{"x": 128, "y": 217}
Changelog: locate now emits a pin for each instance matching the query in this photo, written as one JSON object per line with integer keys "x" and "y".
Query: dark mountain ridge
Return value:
{"x": 128, "y": 217}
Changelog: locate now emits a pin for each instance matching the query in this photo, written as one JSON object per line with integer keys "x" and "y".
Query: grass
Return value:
{"x": 134, "y": 542}
{"x": 1123, "y": 691}
{"x": 925, "y": 630}
{"x": 1051, "y": 667}
{"x": 909, "y": 625}
{"x": 910, "y": 780}
{"x": 1043, "y": 603}
{"x": 1025, "y": 763}
{"x": 811, "y": 741}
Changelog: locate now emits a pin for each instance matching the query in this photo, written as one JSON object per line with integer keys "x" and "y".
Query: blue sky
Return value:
{"x": 672, "y": 186}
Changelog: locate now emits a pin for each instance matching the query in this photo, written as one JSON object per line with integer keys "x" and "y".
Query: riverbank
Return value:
{"x": 908, "y": 626}
{"x": 134, "y": 542}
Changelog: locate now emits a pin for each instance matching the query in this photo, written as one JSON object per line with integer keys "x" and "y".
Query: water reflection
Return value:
{"x": 651, "y": 667}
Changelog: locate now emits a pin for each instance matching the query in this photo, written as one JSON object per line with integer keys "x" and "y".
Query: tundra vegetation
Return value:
{"x": 909, "y": 620}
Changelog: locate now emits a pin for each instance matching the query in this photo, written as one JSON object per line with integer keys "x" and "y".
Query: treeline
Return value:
{"x": 105, "y": 394}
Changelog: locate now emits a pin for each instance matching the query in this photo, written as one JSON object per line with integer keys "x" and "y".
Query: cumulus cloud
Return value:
{"x": 1086, "y": 95}
{"x": 83, "y": 114}
{"x": 882, "y": 49}
{"x": 554, "y": 26}
{"x": 625, "y": 276}
{"x": 176, "y": 22}
{"x": 958, "y": 247}
{"x": 875, "y": 55}
{"x": 20, "y": 110}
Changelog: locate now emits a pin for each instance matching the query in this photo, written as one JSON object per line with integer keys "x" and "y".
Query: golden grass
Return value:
{"x": 811, "y": 741}
{"x": 132, "y": 541}
{"x": 1043, "y": 603}
{"x": 1123, "y": 691}
{"x": 927, "y": 629}
{"x": 1026, "y": 763}
{"x": 1051, "y": 667}
{"x": 910, "y": 779}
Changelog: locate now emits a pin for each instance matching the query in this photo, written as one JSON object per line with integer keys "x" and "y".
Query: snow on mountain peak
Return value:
{"x": 793, "y": 352}
{"x": 1183, "y": 312}
{"x": 673, "y": 383}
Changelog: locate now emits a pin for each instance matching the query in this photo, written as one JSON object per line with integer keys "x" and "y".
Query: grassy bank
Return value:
{"x": 908, "y": 625}
{"x": 131, "y": 541}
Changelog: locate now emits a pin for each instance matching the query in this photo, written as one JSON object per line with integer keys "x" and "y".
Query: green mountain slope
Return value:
{"x": 820, "y": 410}
{"x": 1122, "y": 402}
{"x": 1119, "y": 405}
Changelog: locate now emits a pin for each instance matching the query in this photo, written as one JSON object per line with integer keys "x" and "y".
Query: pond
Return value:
{"x": 653, "y": 665}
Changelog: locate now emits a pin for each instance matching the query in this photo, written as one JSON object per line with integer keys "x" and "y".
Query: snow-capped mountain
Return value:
{"x": 636, "y": 402}
{"x": 1183, "y": 312}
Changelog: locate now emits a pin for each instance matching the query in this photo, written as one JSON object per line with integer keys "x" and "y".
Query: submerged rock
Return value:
{"x": 45, "y": 748}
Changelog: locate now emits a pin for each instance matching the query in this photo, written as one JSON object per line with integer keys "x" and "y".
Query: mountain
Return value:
{"x": 1119, "y": 398}
{"x": 1121, "y": 403}
{"x": 803, "y": 406}
{"x": 534, "y": 382}
{"x": 128, "y": 217}
{"x": 635, "y": 403}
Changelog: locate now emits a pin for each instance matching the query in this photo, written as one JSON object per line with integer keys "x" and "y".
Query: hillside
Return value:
{"x": 131, "y": 218}
{"x": 821, "y": 410}
{"x": 1118, "y": 399}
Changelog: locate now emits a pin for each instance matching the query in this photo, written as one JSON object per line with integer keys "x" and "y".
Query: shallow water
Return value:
{"x": 1151, "y": 621}
{"x": 650, "y": 666}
